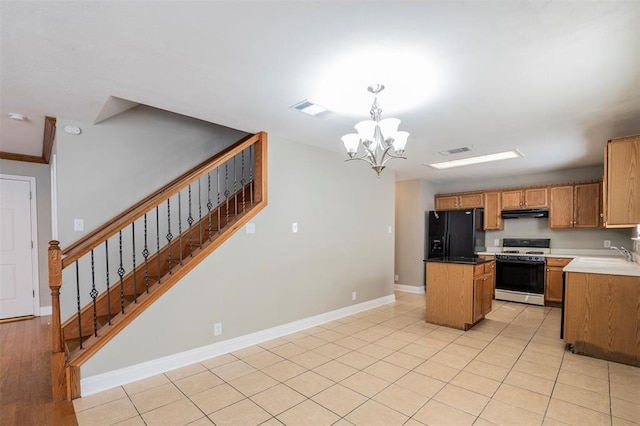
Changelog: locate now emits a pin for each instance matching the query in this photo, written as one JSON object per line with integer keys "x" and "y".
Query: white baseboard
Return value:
{"x": 44, "y": 311}
{"x": 409, "y": 288}
{"x": 101, "y": 382}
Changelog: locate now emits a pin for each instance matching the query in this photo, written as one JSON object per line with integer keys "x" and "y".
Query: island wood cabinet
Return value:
{"x": 575, "y": 206}
{"x": 601, "y": 316}
{"x": 492, "y": 211}
{"x": 458, "y": 295}
{"x": 621, "y": 186}
{"x": 459, "y": 201}
{"x": 553, "y": 280}
{"x": 529, "y": 198}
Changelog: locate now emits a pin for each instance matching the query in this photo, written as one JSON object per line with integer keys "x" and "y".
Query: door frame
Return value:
{"x": 35, "y": 277}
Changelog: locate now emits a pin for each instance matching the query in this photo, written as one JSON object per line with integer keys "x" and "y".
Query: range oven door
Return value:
{"x": 520, "y": 276}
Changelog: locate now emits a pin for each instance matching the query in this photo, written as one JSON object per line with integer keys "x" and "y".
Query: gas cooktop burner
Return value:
{"x": 511, "y": 251}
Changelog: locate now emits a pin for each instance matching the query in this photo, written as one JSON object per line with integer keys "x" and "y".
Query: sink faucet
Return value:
{"x": 625, "y": 252}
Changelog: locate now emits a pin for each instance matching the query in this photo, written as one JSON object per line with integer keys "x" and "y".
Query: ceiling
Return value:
{"x": 553, "y": 79}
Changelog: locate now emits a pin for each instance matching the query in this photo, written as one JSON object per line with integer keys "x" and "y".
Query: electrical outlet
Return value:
{"x": 294, "y": 227}
{"x": 396, "y": 278}
{"x": 250, "y": 228}
{"x": 217, "y": 329}
{"x": 496, "y": 242}
{"x": 389, "y": 229}
{"x": 78, "y": 225}
{"x": 353, "y": 295}
{"x": 607, "y": 243}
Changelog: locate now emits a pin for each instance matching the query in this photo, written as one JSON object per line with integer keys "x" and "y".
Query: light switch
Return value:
{"x": 78, "y": 225}
{"x": 250, "y": 228}
{"x": 294, "y": 227}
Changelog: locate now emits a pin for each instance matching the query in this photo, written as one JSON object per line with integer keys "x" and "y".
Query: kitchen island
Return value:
{"x": 602, "y": 309}
{"x": 459, "y": 290}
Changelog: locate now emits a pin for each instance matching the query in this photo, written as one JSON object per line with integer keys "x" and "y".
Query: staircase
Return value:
{"x": 121, "y": 268}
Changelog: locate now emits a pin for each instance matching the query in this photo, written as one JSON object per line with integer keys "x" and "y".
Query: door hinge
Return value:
{"x": 30, "y": 195}
{"x": 33, "y": 292}
{"x": 32, "y": 244}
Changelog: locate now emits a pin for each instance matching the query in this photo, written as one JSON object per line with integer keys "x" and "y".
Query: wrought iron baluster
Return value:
{"x": 243, "y": 181}
{"x": 158, "y": 242}
{"x": 226, "y": 193}
{"x": 145, "y": 254}
{"x": 190, "y": 222}
{"x": 209, "y": 204}
{"x": 199, "y": 214}
{"x": 78, "y": 302}
{"x": 169, "y": 234}
{"x": 121, "y": 273}
{"x": 218, "y": 196}
{"x": 235, "y": 191}
{"x": 94, "y": 294}
{"x": 251, "y": 164}
{"x": 106, "y": 256}
{"x": 133, "y": 258}
{"x": 180, "y": 226}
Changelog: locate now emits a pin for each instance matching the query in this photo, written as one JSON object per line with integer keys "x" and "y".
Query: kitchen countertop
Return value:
{"x": 603, "y": 265}
{"x": 461, "y": 260}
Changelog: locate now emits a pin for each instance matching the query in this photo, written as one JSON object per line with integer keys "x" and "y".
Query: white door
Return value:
{"x": 16, "y": 262}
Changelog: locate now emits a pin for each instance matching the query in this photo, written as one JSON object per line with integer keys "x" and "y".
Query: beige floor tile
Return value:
{"x": 278, "y": 399}
{"x": 404, "y": 360}
{"x": 177, "y": 413}
{"x": 329, "y": 335}
{"x": 548, "y": 421}
{"x": 419, "y": 351}
{"x": 352, "y": 343}
{"x": 274, "y": 343}
{"x": 584, "y": 382}
{"x": 218, "y": 361}
{"x": 252, "y": 383}
{"x": 262, "y": 359}
{"x": 627, "y": 393}
{"x": 107, "y": 414}
{"x": 482, "y": 422}
{"x": 309, "y": 383}
{"x": 504, "y": 348}
{"x": 308, "y": 413}
{"x": 288, "y": 350}
{"x": 536, "y": 369}
{"x": 375, "y": 414}
{"x": 617, "y": 421}
{"x": 585, "y": 366}
{"x": 310, "y": 342}
{"x": 247, "y": 352}
{"x": 332, "y": 350}
{"x": 487, "y": 370}
{"x": 335, "y": 371}
{"x": 522, "y": 398}
{"x": 529, "y": 382}
{"x": 542, "y": 358}
{"x": 466, "y": 400}
{"x": 369, "y": 335}
{"x": 156, "y": 397}
{"x": 216, "y": 398}
{"x": 137, "y": 421}
{"x": 244, "y": 412}
{"x": 624, "y": 378}
{"x": 479, "y": 335}
{"x": 233, "y": 370}
{"x": 437, "y": 371}
{"x": 617, "y": 368}
{"x": 435, "y": 413}
{"x": 451, "y": 360}
{"x": 376, "y": 351}
{"x": 575, "y": 415}
{"x": 198, "y": 382}
{"x": 386, "y": 371}
{"x": 94, "y": 400}
{"x": 471, "y": 342}
{"x": 187, "y": 371}
{"x": 284, "y": 370}
{"x": 339, "y": 399}
{"x": 357, "y": 360}
{"x": 423, "y": 385}
{"x": 446, "y": 334}
{"x": 431, "y": 342}
{"x": 475, "y": 383}
{"x": 555, "y": 350}
{"x": 365, "y": 383}
{"x": 497, "y": 358}
{"x": 461, "y": 350}
{"x": 146, "y": 384}
{"x": 295, "y": 336}
{"x": 401, "y": 399}
{"x": 625, "y": 410}
{"x": 584, "y": 398}
{"x": 310, "y": 359}
{"x": 404, "y": 335}
{"x": 347, "y": 330}
{"x": 501, "y": 413}
{"x": 392, "y": 343}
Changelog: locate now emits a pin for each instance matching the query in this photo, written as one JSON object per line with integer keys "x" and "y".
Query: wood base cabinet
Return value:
{"x": 602, "y": 316}
{"x": 458, "y": 295}
{"x": 553, "y": 280}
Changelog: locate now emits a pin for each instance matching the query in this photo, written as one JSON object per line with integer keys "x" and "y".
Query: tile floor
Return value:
{"x": 387, "y": 366}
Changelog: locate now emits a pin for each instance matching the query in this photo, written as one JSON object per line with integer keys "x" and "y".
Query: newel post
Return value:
{"x": 260, "y": 168}
{"x": 58, "y": 358}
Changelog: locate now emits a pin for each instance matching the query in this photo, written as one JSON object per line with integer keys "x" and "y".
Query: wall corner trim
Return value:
{"x": 409, "y": 288}
{"x": 104, "y": 381}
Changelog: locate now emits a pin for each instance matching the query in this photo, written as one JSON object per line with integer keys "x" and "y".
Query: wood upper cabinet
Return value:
{"x": 575, "y": 206}
{"x": 459, "y": 201}
{"x": 553, "y": 279}
{"x": 622, "y": 182}
{"x": 524, "y": 198}
{"x": 492, "y": 210}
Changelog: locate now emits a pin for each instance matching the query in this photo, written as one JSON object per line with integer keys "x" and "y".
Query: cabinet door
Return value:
{"x": 478, "y": 287}
{"x": 535, "y": 198}
{"x": 492, "y": 209}
{"x": 468, "y": 201}
{"x": 622, "y": 182}
{"x": 587, "y": 205}
{"x": 553, "y": 287}
{"x": 487, "y": 294}
{"x": 512, "y": 199}
{"x": 561, "y": 209}
{"x": 447, "y": 202}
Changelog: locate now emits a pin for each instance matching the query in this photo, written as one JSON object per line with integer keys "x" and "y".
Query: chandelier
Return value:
{"x": 380, "y": 139}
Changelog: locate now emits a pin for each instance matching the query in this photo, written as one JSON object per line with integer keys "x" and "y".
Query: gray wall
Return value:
{"x": 413, "y": 199}
{"x": 43, "y": 198}
{"x": 273, "y": 277}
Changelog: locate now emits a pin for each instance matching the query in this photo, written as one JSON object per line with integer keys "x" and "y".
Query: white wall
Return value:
{"x": 43, "y": 197}
{"x": 273, "y": 277}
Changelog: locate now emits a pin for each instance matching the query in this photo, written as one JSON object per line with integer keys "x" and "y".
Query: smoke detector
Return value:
{"x": 17, "y": 117}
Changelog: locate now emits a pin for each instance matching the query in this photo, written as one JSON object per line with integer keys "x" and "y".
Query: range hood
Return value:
{"x": 516, "y": 214}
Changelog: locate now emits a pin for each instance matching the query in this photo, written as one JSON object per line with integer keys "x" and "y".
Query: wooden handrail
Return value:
{"x": 102, "y": 233}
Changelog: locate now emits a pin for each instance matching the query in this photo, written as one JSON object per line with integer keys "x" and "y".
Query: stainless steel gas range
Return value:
{"x": 520, "y": 270}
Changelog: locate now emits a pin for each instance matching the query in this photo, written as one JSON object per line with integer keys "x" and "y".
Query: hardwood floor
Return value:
{"x": 25, "y": 376}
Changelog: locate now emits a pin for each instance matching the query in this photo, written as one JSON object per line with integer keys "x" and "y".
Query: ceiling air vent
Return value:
{"x": 455, "y": 150}
{"x": 310, "y": 108}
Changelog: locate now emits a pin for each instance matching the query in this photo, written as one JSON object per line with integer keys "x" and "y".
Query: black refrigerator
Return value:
{"x": 454, "y": 233}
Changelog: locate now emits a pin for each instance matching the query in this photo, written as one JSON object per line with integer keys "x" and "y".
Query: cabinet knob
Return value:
{"x": 547, "y": 269}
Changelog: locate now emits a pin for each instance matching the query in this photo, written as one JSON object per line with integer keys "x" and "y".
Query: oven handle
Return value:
{"x": 521, "y": 262}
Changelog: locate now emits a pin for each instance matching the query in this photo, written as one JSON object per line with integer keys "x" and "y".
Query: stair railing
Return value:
{"x": 127, "y": 261}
